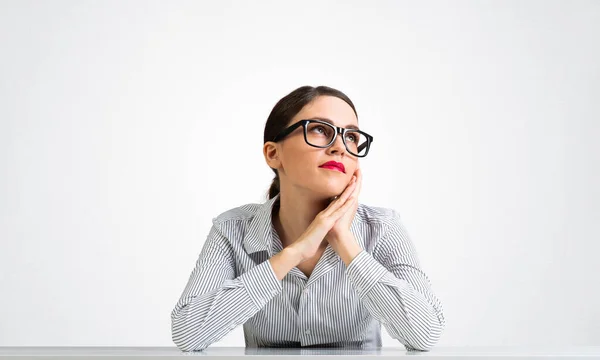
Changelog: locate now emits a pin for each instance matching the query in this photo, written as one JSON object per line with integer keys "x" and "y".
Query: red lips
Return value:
{"x": 335, "y": 165}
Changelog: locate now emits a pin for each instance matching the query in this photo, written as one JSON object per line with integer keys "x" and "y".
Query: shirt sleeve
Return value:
{"x": 214, "y": 302}
{"x": 396, "y": 291}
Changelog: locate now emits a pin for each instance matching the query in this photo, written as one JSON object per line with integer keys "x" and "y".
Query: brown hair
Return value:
{"x": 287, "y": 108}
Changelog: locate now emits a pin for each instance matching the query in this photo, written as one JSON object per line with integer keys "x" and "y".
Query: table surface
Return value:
{"x": 556, "y": 352}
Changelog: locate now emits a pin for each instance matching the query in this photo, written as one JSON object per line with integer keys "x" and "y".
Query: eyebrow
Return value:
{"x": 331, "y": 122}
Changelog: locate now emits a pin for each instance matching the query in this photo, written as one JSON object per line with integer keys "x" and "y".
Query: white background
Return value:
{"x": 126, "y": 126}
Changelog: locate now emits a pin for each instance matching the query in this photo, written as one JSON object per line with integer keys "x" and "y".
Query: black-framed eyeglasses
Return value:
{"x": 322, "y": 134}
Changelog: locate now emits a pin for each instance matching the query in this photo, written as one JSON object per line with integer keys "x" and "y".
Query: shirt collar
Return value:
{"x": 259, "y": 233}
{"x": 259, "y": 236}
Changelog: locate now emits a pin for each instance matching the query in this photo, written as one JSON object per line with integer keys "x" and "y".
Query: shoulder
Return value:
{"x": 387, "y": 235}
{"x": 378, "y": 229}
{"x": 230, "y": 226}
{"x": 375, "y": 215}
{"x": 237, "y": 215}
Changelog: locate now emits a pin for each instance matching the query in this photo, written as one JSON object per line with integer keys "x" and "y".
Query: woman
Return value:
{"x": 311, "y": 266}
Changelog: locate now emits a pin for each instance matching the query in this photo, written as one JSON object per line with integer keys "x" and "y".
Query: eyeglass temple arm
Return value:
{"x": 364, "y": 145}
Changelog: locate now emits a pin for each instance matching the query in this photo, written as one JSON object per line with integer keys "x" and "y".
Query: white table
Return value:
{"x": 156, "y": 353}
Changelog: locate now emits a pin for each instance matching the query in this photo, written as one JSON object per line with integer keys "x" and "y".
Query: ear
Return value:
{"x": 271, "y": 153}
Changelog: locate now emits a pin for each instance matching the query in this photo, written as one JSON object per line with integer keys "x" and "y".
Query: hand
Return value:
{"x": 342, "y": 226}
{"x": 313, "y": 237}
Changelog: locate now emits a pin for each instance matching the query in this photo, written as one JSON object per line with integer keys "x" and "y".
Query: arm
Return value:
{"x": 214, "y": 302}
{"x": 396, "y": 291}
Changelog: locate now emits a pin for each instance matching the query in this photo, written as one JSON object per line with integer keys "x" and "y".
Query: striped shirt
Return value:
{"x": 336, "y": 306}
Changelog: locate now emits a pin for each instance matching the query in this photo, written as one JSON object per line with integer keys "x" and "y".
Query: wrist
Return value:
{"x": 292, "y": 255}
{"x": 284, "y": 261}
{"x": 347, "y": 247}
{"x": 340, "y": 237}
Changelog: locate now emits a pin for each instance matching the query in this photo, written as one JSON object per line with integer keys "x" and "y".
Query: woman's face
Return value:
{"x": 299, "y": 163}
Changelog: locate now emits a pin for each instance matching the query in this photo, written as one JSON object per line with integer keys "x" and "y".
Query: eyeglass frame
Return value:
{"x": 337, "y": 130}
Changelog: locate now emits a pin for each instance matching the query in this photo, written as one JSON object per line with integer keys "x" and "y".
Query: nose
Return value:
{"x": 338, "y": 146}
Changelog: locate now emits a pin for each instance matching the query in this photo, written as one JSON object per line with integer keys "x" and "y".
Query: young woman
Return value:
{"x": 311, "y": 266}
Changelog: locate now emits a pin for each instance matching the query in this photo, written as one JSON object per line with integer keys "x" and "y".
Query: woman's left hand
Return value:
{"x": 341, "y": 229}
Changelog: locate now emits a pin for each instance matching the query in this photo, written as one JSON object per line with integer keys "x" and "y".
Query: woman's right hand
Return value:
{"x": 311, "y": 240}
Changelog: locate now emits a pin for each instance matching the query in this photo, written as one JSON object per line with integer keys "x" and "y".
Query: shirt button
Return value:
{"x": 307, "y": 332}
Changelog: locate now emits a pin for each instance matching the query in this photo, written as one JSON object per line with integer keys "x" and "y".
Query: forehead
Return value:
{"x": 328, "y": 107}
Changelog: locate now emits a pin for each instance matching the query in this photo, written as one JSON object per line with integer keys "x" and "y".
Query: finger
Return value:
{"x": 349, "y": 198}
{"x": 343, "y": 209}
{"x": 337, "y": 203}
{"x": 348, "y": 190}
{"x": 359, "y": 179}
{"x": 357, "y": 175}
{"x": 357, "y": 188}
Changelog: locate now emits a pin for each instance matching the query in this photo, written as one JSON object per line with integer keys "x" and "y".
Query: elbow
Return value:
{"x": 424, "y": 339}
{"x": 420, "y": 343}
{"x": 183, "y": 345}
{"x": 186, "y": 337}
{"x": 420, "y": 336}
{"x": 188, "y": 344}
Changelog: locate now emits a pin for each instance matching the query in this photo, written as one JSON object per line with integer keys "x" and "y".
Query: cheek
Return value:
{"x": 304, "y": 168}
{"x": 298, "y": 163}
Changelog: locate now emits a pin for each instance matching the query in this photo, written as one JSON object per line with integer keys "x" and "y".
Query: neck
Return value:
{"x": 296, "y": 211}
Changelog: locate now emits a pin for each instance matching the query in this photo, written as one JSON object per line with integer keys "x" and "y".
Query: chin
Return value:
{"x": 328, "y": 189}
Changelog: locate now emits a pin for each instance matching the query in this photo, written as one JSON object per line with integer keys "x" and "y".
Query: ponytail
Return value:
{"x": 274, "y": 188}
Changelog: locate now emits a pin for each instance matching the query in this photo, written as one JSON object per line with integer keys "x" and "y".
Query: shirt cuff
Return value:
{"x": 365, "y": 272}
{"x": 261, "y": 283}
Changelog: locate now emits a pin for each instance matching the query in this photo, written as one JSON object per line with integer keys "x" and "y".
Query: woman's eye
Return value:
{"x": 351, "y": 138}
{"x": 319, "y": 129}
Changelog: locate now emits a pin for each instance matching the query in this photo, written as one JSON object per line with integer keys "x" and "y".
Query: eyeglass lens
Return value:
{"x": 319, "y": 134}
